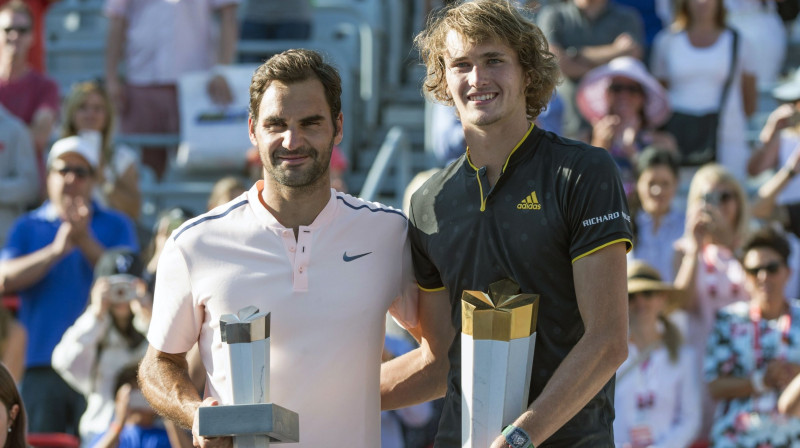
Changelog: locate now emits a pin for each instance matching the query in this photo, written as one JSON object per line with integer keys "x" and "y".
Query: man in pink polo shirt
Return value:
{"x": 326, "y": 265}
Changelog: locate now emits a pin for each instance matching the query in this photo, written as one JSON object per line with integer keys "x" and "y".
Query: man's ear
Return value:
{"x": 251, "y": 131}
{"x": 339, "y": 124}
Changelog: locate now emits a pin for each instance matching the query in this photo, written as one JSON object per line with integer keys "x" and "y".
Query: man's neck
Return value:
{"x": 295, "y": 207}
{"x": 592, "y": 9}
{"x": 490, "y": 146}
{"x": 11, "y": 70}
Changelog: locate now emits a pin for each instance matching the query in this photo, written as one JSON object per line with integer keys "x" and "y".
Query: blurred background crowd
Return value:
{"x": 121, "y": 119}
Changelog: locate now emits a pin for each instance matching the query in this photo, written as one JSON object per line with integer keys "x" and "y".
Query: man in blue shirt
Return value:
{"x": 48, "y": 260}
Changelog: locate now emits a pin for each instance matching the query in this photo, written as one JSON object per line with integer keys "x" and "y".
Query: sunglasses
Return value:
{"x": 630, "y": 88}
{"x": 718, "y": 197}
{"x": 772, "y": 267}
{"x": 18, "y": 29}
{"x": 79, "y": 171}
{"x": 646, "y": 294}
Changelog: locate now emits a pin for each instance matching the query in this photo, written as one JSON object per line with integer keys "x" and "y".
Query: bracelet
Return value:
{"x": 757, "y": 381}
{"x": 517, "y": 437}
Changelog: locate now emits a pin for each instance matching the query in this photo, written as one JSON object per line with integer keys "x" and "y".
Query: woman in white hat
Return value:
{"x": 625, "y": 105}
{"x": 657, "y": 398}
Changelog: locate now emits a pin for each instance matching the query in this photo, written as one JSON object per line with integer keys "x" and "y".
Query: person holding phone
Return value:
{"x": 107, "y": 336}
{"x": 708, "y": 275}
{"x": 779, "y": 138}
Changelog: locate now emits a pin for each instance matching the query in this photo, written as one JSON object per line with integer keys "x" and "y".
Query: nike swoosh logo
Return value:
{"x": 347, "y": 258}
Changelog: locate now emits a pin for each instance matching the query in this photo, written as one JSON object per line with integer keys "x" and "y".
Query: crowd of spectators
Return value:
{"x": 713, "y": 280}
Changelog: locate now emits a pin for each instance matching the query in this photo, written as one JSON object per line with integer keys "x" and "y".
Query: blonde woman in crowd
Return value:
{"x": 89, "y": 109}
{"x": 708, "y": 275}
{"x": 657, "y": 394}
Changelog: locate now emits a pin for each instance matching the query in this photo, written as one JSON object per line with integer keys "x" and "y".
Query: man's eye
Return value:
{"x": 495, "y": 61}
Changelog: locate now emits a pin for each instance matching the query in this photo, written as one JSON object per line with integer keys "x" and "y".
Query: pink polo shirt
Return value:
{"x": 167, "y": 38}
{"x": 327, "y": 292}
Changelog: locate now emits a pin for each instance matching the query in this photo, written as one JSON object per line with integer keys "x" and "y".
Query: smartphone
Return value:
{"x": 713, "y": 198}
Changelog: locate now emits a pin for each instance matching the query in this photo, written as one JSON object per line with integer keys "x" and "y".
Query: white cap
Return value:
{"x": 86, "y": 145}
{"x": 788, "y": 90}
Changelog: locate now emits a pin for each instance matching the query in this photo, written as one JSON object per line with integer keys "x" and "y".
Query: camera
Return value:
{"x": 122, "y": 288}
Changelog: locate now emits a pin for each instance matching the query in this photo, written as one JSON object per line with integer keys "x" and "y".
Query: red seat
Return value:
{"x": 53, "y": 440}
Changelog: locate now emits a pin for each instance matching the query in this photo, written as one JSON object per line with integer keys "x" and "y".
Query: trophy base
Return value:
{"x": 264, "y": 419}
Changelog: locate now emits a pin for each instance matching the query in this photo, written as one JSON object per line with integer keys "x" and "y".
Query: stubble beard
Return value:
{"x": 301, "y": 177}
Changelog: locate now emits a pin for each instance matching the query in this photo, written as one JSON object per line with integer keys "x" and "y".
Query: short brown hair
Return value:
{"x": 18, "y": 7}
{"x": 683, "y": 18}
{"x": 768, "y": 238}
{"x": 293, "y": 66}
{"x": 482, "y": 21}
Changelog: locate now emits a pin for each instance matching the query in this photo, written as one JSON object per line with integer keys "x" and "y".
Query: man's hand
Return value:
{"x": 219, "y": 90}
{"x": 99, "y": 297}
{"x": 208, "y": 442}
{"x": 62, "y": 244}
{"x": 121, "y": 404}
{"x": 604, "y": 130}
{"x": 78, "y": 214}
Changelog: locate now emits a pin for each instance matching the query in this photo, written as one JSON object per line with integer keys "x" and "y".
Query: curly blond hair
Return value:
{"x": 483, "y": 21}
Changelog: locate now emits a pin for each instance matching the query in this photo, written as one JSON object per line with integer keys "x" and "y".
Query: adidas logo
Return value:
{"x": 530, "y": 203}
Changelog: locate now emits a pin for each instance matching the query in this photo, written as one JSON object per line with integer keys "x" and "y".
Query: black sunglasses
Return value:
{"x": 646, "y": 294}
{"x": 79, "y": 171}
{"x": 18, "y": 29}
{"x": 771, "y": 268}
{"x": 718, "y": 197}
{"x": 630, "y": 88}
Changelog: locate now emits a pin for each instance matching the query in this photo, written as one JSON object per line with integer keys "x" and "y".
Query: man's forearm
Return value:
{"x": 116, "y": 39}
{"x": 19, "y": 273}
{"x": 164, "y": 380}
{"x": 229, "y": 35}
{"x": 582, "y": 374}
{"x": 412, "y": 378}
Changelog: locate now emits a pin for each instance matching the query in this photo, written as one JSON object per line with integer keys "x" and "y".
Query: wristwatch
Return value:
{"x": 517, "y": 437}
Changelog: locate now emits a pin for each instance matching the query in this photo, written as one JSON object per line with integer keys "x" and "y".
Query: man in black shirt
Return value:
{"x": 524, "y": 204}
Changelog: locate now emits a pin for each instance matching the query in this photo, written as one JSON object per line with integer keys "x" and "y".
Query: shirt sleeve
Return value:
{"x": 75, "y": 356}
{"x": 720, "y": 358}
{"x": 597, "y": 210}
{"x": 15, "y": 242}
{"x": 428, "y": 277}
{"x": 404, "y": 308}
{"x": 686, "y": 423}
{"x": 176, "y": 322}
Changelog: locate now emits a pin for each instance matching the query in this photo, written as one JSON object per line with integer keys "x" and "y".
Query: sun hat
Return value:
{"x": 788, "y": 90}
{"x": 591, "y": 94}
{"x": 642, "y": 277}
{"x": 86, "y": 145}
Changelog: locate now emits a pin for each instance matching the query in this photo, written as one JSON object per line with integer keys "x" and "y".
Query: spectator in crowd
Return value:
{"x": 657, "y": 222}
{"x": 13, "y": 340}
{"x": 224, "y": 191}
{"x": 29, "y": 95}
{"x": 761, "y": 25}
{"x": 786, "y": 215}
{"x": 48, "y": 260}
{"x": 160, "y": 41}
{"x": 168, "y": 221}
{"x": 88, "y": 109}
{"x": 275, "y": 19}
{"x": 779, "y": 139}
{"x": 108, "y": 335}
{"x": 708, "y": 275}
{"x": 625, "y": 106}
{"x": 692, "y": 60}
{"x": 135, "y": 424}
{"x": 655, "y": 14}
{"x": 657, "y": 393}
{"x": 753, "y": 352}
{"x": 447, "y": 135}
{"x": 12, "y": 413}
{"x": 19, "y": 176}
{"x": 584, "y": 34}
{"x": 38, "y": 9}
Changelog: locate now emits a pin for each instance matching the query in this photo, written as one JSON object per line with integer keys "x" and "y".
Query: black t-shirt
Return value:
{"x": 555, "y": 201}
